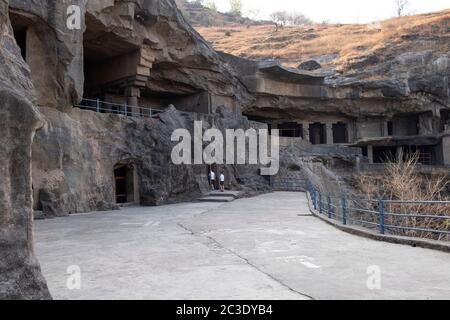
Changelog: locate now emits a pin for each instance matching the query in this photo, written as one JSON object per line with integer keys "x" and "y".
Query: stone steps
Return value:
{"x": 216, "y": 199}
{"x": 226, "y": 193}
{"x": 217, "y": 196}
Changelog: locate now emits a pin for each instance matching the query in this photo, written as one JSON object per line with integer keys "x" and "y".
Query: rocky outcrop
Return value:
{"x": 310, "y": 65}
{"x": 20, "y": 275}
{"x": 70, "y": 162}
{"x": 388, "y": 67}
{"x": 184, "y": 63}
{"x": 414, "y": 75}
{"x": 56, "y": 60}
{"x": 75, "y": 155}
{"x": 301, "y": 161}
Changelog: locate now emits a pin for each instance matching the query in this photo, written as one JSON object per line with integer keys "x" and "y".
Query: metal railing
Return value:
{"x": 424, "y": 219}
{"x": 116, "y": 108}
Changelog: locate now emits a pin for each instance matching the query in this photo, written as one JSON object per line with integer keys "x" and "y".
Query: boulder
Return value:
{"x": 309, "y": 65}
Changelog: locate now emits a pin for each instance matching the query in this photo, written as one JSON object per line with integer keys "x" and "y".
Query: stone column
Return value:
{"x": 385, "y": 128}
{"x": 399, "y": 155}
{"x": 446, "y": 150}
{"x": 370, "y": 153}
{"x": 358, "y": 165}
{"x": 351, "y": 132}
{"x": 306, "y": 131}
{"x": 133, "y": 93}
{"x": 329, "y": 127}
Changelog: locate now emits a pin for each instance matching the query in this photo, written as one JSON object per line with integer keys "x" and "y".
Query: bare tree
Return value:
{"x": 211, "y": 5}
{"x": 283, "y": 18}
{"x": 236, "y": 7}
{"x": 280, "y": 18}
{"x": 400, "y": 6}
{"x": 254, "y": 14}
{"x": 298, "y": 19}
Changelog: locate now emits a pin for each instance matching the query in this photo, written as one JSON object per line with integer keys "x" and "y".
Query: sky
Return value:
{"x": 337, "y": 11}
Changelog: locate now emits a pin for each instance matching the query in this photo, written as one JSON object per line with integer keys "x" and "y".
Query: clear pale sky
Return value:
{"x": 342, "y": 11}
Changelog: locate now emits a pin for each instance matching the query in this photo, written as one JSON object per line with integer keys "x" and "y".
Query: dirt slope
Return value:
{"x": 340, "y": 47}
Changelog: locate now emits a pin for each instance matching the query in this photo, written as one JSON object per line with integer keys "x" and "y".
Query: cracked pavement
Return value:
{"x": 255, "y": 248}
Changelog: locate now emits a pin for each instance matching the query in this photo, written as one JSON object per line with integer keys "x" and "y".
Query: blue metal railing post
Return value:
{"x": 320, "y": 202}
{"x": 98, "y": 105}
{"x": 380, "y": 212}
{"x": 381, "y": 215}
{"x": 344, "y": 211}
{"x": 329, "y": 205}
{"x": 315, "y": 199}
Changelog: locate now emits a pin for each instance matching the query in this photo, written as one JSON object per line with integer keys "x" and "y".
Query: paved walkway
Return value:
{"x": 256, "y": 248}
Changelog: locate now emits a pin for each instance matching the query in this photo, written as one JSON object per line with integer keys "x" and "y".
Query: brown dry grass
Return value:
{"x": 402, "y": 181}
{"x": 348, "y": 43}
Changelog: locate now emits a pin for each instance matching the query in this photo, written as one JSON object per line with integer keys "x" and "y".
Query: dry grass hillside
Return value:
{"x": 335, "y": 46}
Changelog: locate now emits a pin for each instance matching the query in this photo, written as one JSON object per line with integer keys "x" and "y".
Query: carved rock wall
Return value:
{"x": 20, "y": 275}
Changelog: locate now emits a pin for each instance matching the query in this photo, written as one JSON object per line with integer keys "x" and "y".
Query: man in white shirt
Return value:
{"x": 222, "y": 182}
{"x": 212, "y": 179}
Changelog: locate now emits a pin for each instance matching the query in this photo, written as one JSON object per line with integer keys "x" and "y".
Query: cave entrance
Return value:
{"x": 20, "y": 26}
{"x": 20, "y": 34}
{"x": 406, "y": 125}
{"x": 384, "y": 154}
{"x": 110, "y": 65}
{"x": 425, "y": 154}
{"x": 126, "y": 184}
{"x": 317, "y": 133}
{"x": 197, "y": 102}
{"x": 291, "y": 130}
{"x": 340, "y": 132}
{"x": 445, "y": 119}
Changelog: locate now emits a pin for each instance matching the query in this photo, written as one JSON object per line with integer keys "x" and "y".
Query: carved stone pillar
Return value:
{"x": 329, "y": 127}
{"x": 370, "y": 153}
{"x": 306, "y": 136}
{"x": 133, "y": 94}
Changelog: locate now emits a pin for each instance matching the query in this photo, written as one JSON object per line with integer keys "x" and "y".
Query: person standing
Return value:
{"x": 212, "y": 179}
{"x": 222, "y": 182}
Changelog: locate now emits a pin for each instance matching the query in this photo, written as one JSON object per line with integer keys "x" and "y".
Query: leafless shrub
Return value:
{"x": 403, "y": 181}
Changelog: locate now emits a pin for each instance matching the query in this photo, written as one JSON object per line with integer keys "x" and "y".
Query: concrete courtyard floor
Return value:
{"x": 256, "y": 248}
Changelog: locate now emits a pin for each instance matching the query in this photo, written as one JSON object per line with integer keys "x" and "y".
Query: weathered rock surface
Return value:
{"x": 420, "y": 75}
{"x": 302, "y": 161}
{"x": 309, "y": 65}
{"x": 20, "y": 275}
{"x": 70, "y": 165}
{"x": 75, "y": 155}
{"x": 184, "y": 62}
{"x": 57, "y": 60}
